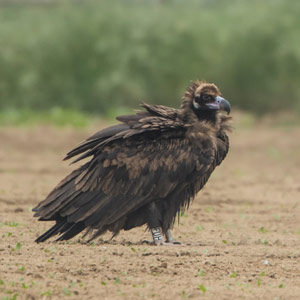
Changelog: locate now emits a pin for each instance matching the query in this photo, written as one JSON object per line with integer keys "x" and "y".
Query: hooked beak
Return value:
{"x": 219, "y": 104}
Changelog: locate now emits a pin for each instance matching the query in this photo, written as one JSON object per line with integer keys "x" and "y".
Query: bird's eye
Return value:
{"x": 207, "y": 97}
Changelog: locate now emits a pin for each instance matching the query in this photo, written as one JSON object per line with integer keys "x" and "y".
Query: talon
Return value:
{"x": 154, "y": 243}
{"x": 147, "y": 242}
{"x": 168, "y": 244}
{"x": 173, "y": 242}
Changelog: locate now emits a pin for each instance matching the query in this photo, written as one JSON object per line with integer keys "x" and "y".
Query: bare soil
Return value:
{"x": 240, "y": 238}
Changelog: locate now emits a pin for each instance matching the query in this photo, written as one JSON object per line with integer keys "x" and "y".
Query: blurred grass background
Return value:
{"x": 65, "y": 60}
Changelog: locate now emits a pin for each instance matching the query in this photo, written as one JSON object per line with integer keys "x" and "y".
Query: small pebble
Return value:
{"x": 164, "y": 265}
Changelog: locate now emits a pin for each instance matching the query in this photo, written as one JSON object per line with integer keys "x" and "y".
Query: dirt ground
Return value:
{"x": 240, "y": 237}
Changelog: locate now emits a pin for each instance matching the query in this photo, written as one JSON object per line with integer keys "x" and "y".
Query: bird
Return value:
{"x": 145, "y": 170}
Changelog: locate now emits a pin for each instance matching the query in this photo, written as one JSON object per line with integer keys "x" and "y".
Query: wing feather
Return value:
{"x": 96, "y": 138}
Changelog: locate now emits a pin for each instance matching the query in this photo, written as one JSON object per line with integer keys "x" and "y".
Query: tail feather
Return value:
{"x": 68, "y": 230}
{"x": 52, "y": 231}
{"x": 72, "y": 230}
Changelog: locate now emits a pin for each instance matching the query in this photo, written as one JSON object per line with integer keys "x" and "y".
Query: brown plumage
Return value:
{"x": 142, "y": 171}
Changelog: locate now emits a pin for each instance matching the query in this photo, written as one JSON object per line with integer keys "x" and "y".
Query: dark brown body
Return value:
{"x": 142, "y": 171}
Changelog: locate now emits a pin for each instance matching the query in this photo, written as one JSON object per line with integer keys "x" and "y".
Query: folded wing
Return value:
{"x": 132, "y": 164}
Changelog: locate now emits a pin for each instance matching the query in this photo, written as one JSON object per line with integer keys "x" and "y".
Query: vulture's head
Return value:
{"x": 205, "y": 100}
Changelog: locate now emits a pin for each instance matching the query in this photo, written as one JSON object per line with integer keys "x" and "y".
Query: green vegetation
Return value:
{"x": 202, "y": 288}
{"x": 67, "y": 292}
{"x": 54, "y": 116}
{"x": 18, "y": 246}
{"x": 99, "y": 56}
{"x": 262, "y": 230}
{"x": 14, "y": 297}
{"x": 11, "y": 224}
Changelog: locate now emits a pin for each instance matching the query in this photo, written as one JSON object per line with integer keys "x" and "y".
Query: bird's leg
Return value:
{"x": 156, "y": 235}
{"x": 154, "y": 223}
{"x": 170, "y": 239}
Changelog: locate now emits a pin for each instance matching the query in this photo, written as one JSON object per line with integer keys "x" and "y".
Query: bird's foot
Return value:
{"x": 145, "y": 242}
{"x": 173, "y": 242}
{"x": 160, "y": 243}
{"x": 170, "y": 239}
{"x": 158, "y": 239}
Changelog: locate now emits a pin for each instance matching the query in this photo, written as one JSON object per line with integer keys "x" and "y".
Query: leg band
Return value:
{"x": 156, "y": 234}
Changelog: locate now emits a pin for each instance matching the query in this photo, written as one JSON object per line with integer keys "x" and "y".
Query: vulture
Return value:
{"x": 143, "y": 171}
